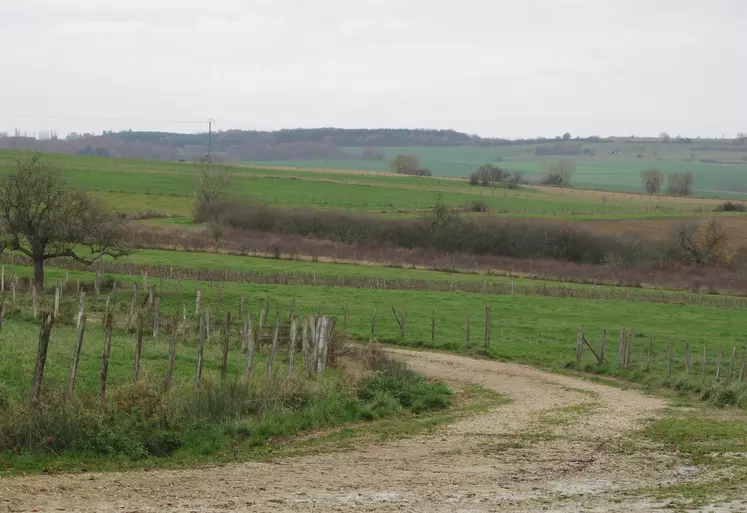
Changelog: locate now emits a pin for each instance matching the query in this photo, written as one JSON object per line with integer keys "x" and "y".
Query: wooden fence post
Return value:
{"x": 151, "y": 296}
{"x": 669, "y": 357}
{"x": 133, "y": 306}
{"x": 261, "y": 328}
{"x": 292, "y": 351}
{"x": 57, "y": 297}
{"x": 314, "y": 341}
{"x": 108, "y": 322}
{"x": 13, "y": 292}
{"x": 2, "y": 314}
{"x": 274, "y": 348}
{"x": 226, "y": 339}
{"x": 200, "y": 349}
{"x": 138, "y": 349}
{"x": 373, "y": 325}
{"x": 603, "y": 346}
{"x": 621, "y": 350}
{"x": 468, "y": 329}
{"x": 81, "y": 308}
{"x": 76, "y": 358}
{"x": 400, "y": 322}
{"x": 705, "y": 359}
{"x": 41, "y": 357}
{"x": 156, "y": 316}
{"x": 433, "y": 326}
{"x": 198, "y": 297}
{"x": 249, "y": 345}
{"x": 305, "y": 347}
{"x": 650, "y": 353}
{"x": 488, "y": 314}
{"x": 345, "y": 319}
{"x": 579, "y": 344}
{"x": 731, "y": 365}
{"x": 741, "y": 366}
{"x": 718, "y": 362}
{"x": 34, "y": 307}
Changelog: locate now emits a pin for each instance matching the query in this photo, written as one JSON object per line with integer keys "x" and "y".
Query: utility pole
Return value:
{"x": 210, "y": 122}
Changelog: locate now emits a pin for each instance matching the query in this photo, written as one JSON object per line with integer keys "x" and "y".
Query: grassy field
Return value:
{"x": 619, "y": 172}
{"x": 136, "y": 186}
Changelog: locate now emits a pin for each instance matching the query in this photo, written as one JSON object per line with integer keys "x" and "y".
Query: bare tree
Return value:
{"x": 43, "y": 219}
{"x": 680, "y": 184}
{"x": 652, "y": 180}
{"x": 213, "y": 183}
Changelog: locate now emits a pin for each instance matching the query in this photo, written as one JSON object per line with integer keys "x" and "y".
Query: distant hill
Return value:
{"x": 299, "y": 144}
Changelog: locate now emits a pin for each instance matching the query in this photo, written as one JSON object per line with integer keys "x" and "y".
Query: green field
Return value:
{"x": 619, "y": 172}
{"x": 137, "y": 186}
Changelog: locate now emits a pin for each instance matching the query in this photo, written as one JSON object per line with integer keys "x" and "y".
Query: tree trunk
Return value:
{"x": 38, "y": 274}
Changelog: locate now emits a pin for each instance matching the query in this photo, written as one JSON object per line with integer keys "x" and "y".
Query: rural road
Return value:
{"x": 558, "y": 446}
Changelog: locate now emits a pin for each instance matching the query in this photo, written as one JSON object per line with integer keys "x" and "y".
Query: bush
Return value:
{"x": 729, "y": 206}
{"x": 558, "y": 173}
{"x": 703, "y": 243}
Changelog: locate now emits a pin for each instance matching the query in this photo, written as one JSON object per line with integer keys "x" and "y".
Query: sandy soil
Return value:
{"x": 556, "y": 447}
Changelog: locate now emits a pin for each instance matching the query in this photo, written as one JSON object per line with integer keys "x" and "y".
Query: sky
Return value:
{"x": 496, "y": 68}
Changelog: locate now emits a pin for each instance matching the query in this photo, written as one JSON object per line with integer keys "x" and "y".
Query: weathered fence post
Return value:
{"x": 741, "y": 366}
{"x": 81, "y": 309}
{"x": 433, "y": 326}
{"x": 718, "y": 362}
{"x": 705, "y": 359}
{"x": 313, "y": 353}
{"x": 208, "y": 322}
{"x": 731, "y": 365}
{"x": 650, "y": 353}
{"x": 292, "y": 351}
{"x": 13, "y": 292}
{"x": 603, "y": 346}
{"x": 305, "y": 347}
{"x": 468, "y": 327}
{"x": 274, "y": 348}
{"x": 688, "y": 359}
{"x": 400, "y": 322}
{"x": 133, "y": 306}
{"x": 108, "y": 322}
{"x": 249, "y": 345}
{"x": 41, "y": 357}
{"x": 138, "y": 349}
{"x": 76, "y": 358}
{"x": 156, "y": 316}
{"x": 200, "y": 349}
{"x": 261, "y": 327}
{"x": 198, "y": 296}
{"x": 226, "y": 340}
{"x": 621, "y": 350}
{"x": 373, "y": 325}
{"x": 488, "y": 314}
{"x": 345, "y": 319}
{"x": 34, "y": 307}
{"x": 579, "y": 344}
{"x": 57, "y": 297}
{"x": 151, "y": 296}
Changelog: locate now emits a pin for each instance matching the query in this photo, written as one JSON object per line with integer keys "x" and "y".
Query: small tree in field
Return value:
{"x": 680, "y": 184}
{"x": 704, "y": 243}
{"x": 213, "y": 183}
{"x": 558, "y": 173}
{"x": 652, "y": 180}
{"x": 43, "y": 219}
{"x": 405, "y": 164}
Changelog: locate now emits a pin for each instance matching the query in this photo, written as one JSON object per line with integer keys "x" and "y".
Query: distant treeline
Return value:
{"x": 289, "y": 144}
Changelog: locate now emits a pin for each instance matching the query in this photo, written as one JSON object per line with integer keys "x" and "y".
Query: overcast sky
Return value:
{"x": 514, "y": 68}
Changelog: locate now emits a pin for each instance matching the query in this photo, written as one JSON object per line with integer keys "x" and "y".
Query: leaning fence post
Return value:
{"x": 579, "y": 344}
{"x": 41, "y": 357}
{"x": 108, "y": 322}
{"x": 200, "y": 349}
{"x": 273, "y": 349}
{"x": 293, "y": 335}
{"x": 76, "y": 358}
{"x": 138, "y": 349}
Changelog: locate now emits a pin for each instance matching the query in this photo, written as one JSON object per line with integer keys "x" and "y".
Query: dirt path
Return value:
{"x": 554, "y": 448}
